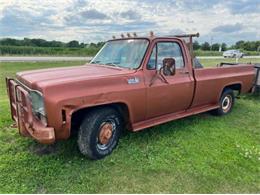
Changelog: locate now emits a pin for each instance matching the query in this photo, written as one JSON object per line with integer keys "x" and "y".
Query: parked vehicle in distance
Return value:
{"x": 132, "y": 83}
{"x": 233, "y": 54}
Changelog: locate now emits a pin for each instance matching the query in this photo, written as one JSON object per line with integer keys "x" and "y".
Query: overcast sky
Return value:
{"x": 97, "y": 20}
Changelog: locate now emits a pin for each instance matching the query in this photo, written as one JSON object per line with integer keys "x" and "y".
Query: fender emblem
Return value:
{"x": 133, "y": 80}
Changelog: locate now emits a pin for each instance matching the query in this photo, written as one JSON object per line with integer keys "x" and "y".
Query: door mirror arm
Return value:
{"x": 160, "y": 75}
{"x": 168, "y": 69}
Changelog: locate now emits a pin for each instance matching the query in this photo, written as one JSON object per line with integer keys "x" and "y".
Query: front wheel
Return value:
{"x": 99, "y": 133}
{"x": 226, "y": 103}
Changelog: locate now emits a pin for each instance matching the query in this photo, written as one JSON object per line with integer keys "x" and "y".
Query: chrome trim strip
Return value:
{"x": 27, "y": 88}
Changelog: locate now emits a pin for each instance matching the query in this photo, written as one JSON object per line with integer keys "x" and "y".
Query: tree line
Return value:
{"x": 243, "y": 45}
{"x": 26, "y": 46}
{"x": 206, "y": 46}
{"x": 44, "y": 43}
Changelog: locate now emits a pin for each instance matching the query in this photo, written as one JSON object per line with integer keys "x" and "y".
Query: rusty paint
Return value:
{"x": 105, "y": 133}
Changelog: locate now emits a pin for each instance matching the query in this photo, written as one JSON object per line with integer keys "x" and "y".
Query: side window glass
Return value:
{"x": 152, "y": 61}
{"x": 169, "y": 50}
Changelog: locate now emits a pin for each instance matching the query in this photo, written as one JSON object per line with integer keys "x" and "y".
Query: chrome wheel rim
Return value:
{"x": 226, "y": 103}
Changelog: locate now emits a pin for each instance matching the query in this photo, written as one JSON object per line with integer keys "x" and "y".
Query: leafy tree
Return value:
{"x": 92, "y": 45}
{"x": 239, "y": 44}
{"x": 224, "y": 46}
{"x": 248, "y": 45}
{"x": 100, "y": 44}
{"x": 82, "y": 45}
{"x": 73, "y": 43}
{"x": 27, "y": 42}
{"x": 56, "y": 44}
{"x": 196, "y": 45}
{"x": 9, "y": 41}
{"x": 39, "y": 42}
{"x": 258, "y": 46}
{"x": 205, "y": 46}
{"x": 215, "y": 46}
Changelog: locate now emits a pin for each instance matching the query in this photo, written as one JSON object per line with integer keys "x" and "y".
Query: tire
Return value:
{"x": 99, "y": 133}
{"x": 226, "y": 103}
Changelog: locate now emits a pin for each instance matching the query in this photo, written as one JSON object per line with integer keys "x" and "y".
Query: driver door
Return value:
{"x": 173, "y": 93}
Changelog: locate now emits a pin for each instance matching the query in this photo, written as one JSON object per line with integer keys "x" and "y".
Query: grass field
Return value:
{"x": 198, "y": 154}
{"x": 214, "y": 62}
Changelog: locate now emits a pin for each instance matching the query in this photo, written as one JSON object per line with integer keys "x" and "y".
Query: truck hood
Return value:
{"x": 52, "y": 76}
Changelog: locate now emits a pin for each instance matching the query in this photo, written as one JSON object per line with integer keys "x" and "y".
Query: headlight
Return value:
{"x": 38, "y": 106}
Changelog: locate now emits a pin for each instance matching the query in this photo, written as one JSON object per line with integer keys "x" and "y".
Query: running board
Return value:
{"x": 173, "y": 116}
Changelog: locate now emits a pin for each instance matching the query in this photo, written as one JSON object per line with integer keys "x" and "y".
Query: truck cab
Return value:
{"x": 132, "y": 83}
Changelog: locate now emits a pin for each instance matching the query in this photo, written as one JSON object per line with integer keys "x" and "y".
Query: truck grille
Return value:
{"x": 20, "y": 105}
{"x": 11, "y": 85}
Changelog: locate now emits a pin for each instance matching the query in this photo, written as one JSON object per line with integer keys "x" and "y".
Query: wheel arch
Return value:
{"x": 78, "y": 115}
{"x": 236, "y": 86}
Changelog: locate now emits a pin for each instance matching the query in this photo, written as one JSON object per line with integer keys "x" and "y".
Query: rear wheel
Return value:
{"x": 226, "y": 103}
{"x": 99, "y": 133}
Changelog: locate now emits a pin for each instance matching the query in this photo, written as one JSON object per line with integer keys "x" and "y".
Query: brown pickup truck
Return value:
{"x": 132, "y": 83}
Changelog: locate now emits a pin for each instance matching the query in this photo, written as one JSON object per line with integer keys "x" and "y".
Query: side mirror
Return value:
{"x": 169, "y": 66}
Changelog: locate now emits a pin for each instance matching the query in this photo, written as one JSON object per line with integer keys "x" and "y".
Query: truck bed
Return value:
{"x": 211, "y": 81}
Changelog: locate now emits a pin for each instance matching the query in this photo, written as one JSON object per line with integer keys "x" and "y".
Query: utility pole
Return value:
{"x": 211, "y": 40}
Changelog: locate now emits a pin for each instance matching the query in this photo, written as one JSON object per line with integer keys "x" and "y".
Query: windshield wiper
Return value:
{"x": 95, "y": 62}
{"x": 112, "y": 64}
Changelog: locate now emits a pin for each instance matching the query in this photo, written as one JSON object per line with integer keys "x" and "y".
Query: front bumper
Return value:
{"x": 257, "y": 78}
{"x": 21, "y": 111}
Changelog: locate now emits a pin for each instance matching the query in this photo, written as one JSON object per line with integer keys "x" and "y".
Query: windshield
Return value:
{"x": 122, "y": 53}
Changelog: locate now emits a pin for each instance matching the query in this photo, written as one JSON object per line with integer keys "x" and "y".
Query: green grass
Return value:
{"x": 214, "y": 62}
{"x": 217, "y": 53}
{"x": 198, "y": 154}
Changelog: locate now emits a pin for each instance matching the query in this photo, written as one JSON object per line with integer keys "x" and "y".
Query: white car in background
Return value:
{"x": 233, "y": 54}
